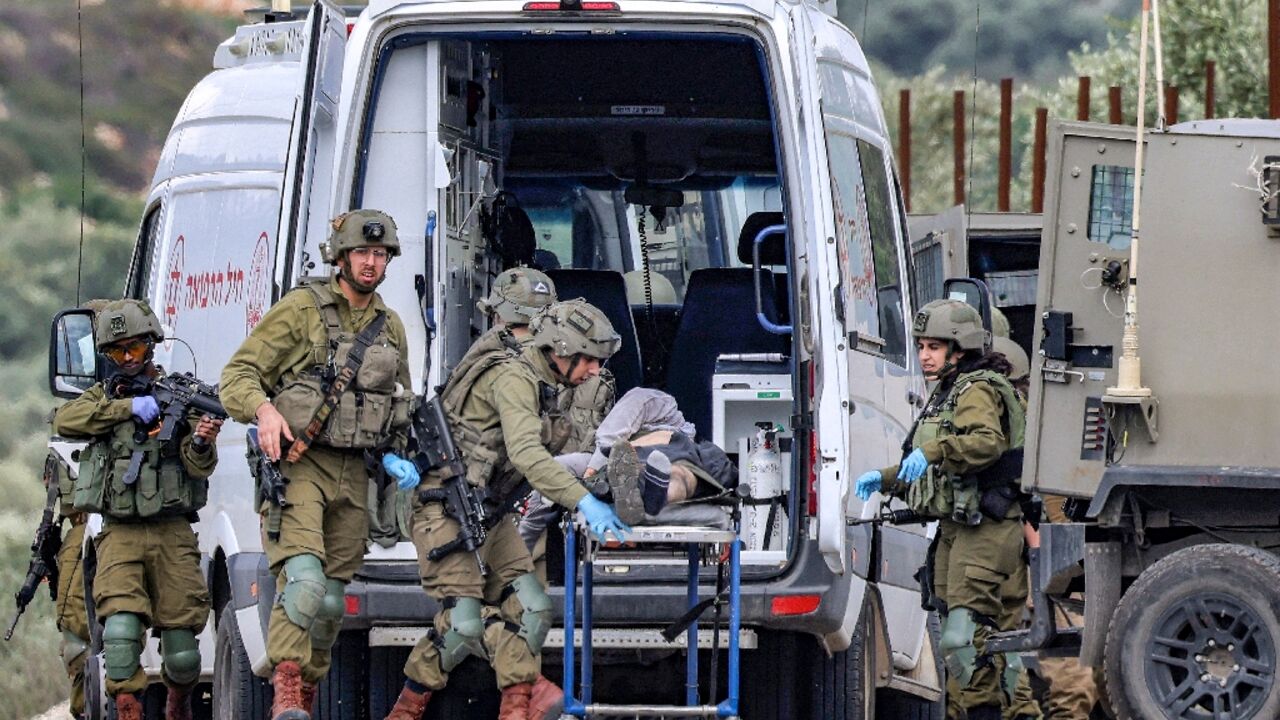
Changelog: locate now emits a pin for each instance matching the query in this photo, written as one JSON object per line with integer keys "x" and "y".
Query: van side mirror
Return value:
{"x": 73, "y": 359}
{"x": 972, "y": 291}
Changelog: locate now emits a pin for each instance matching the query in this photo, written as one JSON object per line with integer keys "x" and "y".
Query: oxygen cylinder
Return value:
{"x": 763, "y": 524}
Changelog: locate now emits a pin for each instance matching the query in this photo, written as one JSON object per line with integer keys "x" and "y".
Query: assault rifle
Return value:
{"x": 271, "y": 482}
{"x": 177, "y": 395}
{"x": 462, "y": 501}
{"x": 891, "y": 517}
{"x": 44, "y": 552}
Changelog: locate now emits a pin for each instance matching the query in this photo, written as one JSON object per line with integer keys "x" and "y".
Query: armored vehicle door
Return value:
{"x": 940, "y": 249}
{"x": 308, "y": 182}
{"x": 1083, "y": 261}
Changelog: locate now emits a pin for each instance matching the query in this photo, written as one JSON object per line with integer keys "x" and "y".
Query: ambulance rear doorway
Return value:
{"x": 636, "y": 169}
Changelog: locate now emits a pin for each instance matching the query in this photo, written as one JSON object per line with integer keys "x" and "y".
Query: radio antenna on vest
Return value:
{"x": 83, "y": 154}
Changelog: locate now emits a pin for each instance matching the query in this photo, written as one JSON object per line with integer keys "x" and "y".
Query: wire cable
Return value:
{"x": 83, "y": 151}
{"x": 973, "y": 116}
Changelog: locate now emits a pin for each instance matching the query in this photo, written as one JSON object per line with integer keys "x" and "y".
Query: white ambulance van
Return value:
{"x": 637, "y": 150}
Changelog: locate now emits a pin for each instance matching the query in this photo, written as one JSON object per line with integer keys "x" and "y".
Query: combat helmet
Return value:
{"x": 1016, "y": 356}
{"x": 999, "y": 323}
{"x": 120, "y": 319}
{"x": 518, "y": 294}
{"x": 360, "y": 228}
{"x": 953, "y": 320}
{"x": 575, "y": 327}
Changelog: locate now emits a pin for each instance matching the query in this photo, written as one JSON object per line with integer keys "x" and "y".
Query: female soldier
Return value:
{"x": 961, "y": 471}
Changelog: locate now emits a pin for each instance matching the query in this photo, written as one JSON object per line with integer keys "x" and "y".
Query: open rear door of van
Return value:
{"x": 940, "y": 248}
{"x": 308, "y": 178}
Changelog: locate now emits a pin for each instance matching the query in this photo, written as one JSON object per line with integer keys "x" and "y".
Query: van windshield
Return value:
{"x": 579, "y": 227}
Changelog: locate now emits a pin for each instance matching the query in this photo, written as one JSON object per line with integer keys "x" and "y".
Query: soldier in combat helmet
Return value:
{"x": 502, "y": 408}
{"x": 148, "y": 559}
{"x": 954, "y": 472}
{"x": 285, "y": 377}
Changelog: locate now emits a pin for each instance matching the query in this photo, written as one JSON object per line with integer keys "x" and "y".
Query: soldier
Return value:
{"x": 148, "y": 560}
{"x": 286, "y": 378}
{"x": 954, "y": 473}
{"x": 502, "y": 408}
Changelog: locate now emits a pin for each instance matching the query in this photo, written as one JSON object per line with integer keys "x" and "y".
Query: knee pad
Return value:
{"x": 180, "y": 656}
{"x": 121, "y": 645}
{"x": 73, "y": 651}
{"x": 1012, "y": 669}
{"x": 957, "y": 644}
{"x": 328, "y": 622}
{"x": 465, "y": 635}
{"x": 304, "y": 589}
{"x": 535, "y": 621}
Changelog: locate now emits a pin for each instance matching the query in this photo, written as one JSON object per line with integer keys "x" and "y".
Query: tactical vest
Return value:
{"x": 586, "y": 406}
{"x": 485, "y": 451}
{"x": 56, "y": 472}
{"x": 163, "y": 487}
{"x": 939, "y": 495}
{"x": 370, "y": 408}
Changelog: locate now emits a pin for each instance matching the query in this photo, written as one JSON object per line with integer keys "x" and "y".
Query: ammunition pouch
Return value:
{"x": 931, "y": 495}
{"x": 362, "y": 419}
{"x": 163, "y": 488}
{"x": 995, "y": 502}
{"x": 929, "y": 601}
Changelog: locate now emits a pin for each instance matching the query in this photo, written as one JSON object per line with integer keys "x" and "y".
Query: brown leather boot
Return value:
{"x": 515, "y": 702}
{"x": 547, "y": 700}
{"x": 410, "y": 705}
{"x": 177, "y": 706}
{"x": 309, "y": 697}
{"x": 288, "y": 705}
{"x": 128, "y": 707}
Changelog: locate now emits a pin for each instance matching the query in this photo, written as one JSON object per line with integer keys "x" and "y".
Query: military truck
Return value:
{"x": 715, "y": 176}
{"x": 1175, "y": 479}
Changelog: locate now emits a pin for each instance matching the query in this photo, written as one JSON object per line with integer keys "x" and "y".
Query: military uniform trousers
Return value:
{"x": 457, "y": 575}
{"x": 1015, "y": 593}
{"x": 326, "y": 516}
{"x": 972, "y": 569}
{"x": 150, "y": 569}
{"x": 72, "y": 615}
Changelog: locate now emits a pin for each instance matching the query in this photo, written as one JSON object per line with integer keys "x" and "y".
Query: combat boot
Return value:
{"x": 546, "y": 701}
{"x": 177, "y": 705}
{"x": 515, "y": 702}
{"x": 128, "y": 707}
{"x": 309, "y": 697}
{"x": 410, "y": 705}
{"x": 288, "y": 704}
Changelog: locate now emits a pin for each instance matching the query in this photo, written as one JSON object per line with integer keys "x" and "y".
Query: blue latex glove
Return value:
{"x": 405, "y": 472}
{"x": 146, "y": 409}
{"x": 913, "y": 467}
{"x": 868, "y": 482}
{"x": 601, "y": 518}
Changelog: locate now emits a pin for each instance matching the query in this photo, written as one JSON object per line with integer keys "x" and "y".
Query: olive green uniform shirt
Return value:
{"x": 93, "y": 414}
{"x": 292, "y": 339}
{"x": 978, "y": 440}
{"x": 507, "y": 395}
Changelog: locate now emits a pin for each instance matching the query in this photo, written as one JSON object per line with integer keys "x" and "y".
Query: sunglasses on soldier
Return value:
{"x": 122, "y": 351}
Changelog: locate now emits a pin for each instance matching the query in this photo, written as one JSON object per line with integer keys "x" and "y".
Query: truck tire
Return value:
{"x": 238, "y": 694}
{"x": 844, "y": 684}
{"x": 344, "y": 692}
{"x": 903, "y": 706}
{"x": 1196, "y": 636}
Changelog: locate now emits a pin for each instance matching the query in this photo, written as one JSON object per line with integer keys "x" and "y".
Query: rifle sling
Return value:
{"x": 355, "y": 358}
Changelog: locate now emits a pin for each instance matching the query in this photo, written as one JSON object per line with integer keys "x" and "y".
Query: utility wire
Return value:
{"x": 83, "y": 153}
{"x": 973, "y": 116}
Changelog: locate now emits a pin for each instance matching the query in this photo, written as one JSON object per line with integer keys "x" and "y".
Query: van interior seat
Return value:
{"x": 719, "y": 316}
{"x": 606, "y": 290}
{"x": 773, "y": 254}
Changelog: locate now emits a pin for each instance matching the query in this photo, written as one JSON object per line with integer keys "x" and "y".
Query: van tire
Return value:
{"x": 772, "y": 673}
{"x": 903, "y": 706}
{"x": 844, "y": 683}
{"x": 238, "y": 694}
{"x": 1196, "y": 601}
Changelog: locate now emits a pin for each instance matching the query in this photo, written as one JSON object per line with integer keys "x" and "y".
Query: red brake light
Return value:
{"x": 353, "y": 604}
{"x": 571, "y": 6}
{"x": 541, "y": 6}
{"x": 794, "y": 604}
{"x": 601, "y": 6}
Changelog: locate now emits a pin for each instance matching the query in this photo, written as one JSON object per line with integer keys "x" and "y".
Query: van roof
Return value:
{"x": 758, "y": 7}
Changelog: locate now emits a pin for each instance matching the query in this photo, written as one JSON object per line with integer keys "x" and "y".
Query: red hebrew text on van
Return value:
{"x": 256, "y": 303}
{"x": 859, "y": 281}
{"x": 173, "y": 284}
{"x": 213, "y": 288}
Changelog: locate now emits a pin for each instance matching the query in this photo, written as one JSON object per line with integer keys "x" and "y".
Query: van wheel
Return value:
{"x": 897, "y": 704}
{"x": 1196, "y": 636}
{"x": 845, "y": 683}
{"x": 238, "y": 694}
{"x": 771, "y": 675}
{"x": 95, "y": 692}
